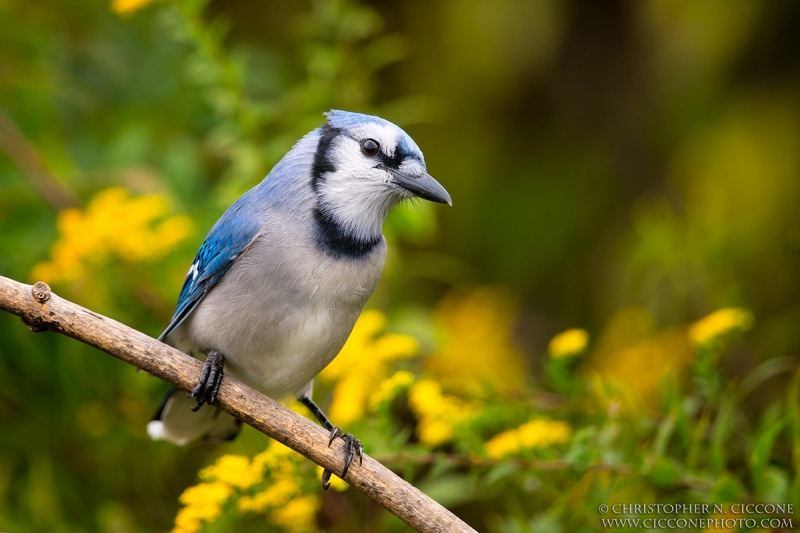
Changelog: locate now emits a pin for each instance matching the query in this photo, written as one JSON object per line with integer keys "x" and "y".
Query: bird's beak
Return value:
{"x": 424, "y": 186}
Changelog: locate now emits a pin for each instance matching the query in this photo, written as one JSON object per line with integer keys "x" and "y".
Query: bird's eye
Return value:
{"x": 370, "y": 147}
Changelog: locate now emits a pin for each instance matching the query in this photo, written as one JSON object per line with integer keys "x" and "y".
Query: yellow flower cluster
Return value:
{"x": 390, "y": 388}
{"x": 538, "y": 433}
{"x": 297, "y": 516}
{"x": 235, "y": 471}
{"x": 126, "y": 7}
{"x": 476, "y": 353}
{"x": 113, "y": 225}
{"x": 568, "y": 343}
{"x": 279, "y": 492}
{"x": 439, "y": 415}
{"x": 285, "y": 501}
{"x": 712, "y": 327}
{"x": 630, "y": 359}
{"x": 202, "y": 503}
{"x": 364, "y": 361}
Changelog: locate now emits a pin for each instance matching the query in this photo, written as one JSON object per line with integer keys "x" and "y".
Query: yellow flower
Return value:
{"x": 280, "y": 490}
{"x": 538, "y": 433}
{"x": 113, "y": 225}
{"x": 390, "y": 388}
{"x": 630, "y": 359}
{"x": 285, "y": 475}
{"x": 337, "y": 483}
{"x": 285, "y": 486}
{"x": 476, "y": 353}
{"x": 233, "y": 470}
{"x": 364, "y": 361}
{"x": 126, "y": 7}
{"x": 202, "y": 503}
{"x": 204, "y": 493}
{"x": 718, "y": 323}
{"x": 297, "y": 516}
{"x": 439, "y": 415}
{"x": 568, "y": 343}
{"x": 275, "y": 456}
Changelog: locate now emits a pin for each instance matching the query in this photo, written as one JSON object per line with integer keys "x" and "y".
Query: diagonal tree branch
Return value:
{"x": 25, "y": 156}
{"x": 42, "y": 310}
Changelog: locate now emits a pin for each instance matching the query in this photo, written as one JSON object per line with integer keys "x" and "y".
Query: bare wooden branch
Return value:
{"x": 42, "y": 310}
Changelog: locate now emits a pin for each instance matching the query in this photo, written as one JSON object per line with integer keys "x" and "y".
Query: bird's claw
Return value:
{"x": 210, "y": 380}
{"x": 335, "y": 432}
{"x": 353, "y": 447}
{"x": 326, "y": 479}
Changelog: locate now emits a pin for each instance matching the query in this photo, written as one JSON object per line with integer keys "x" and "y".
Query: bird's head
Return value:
{"x": 364, "y": 166}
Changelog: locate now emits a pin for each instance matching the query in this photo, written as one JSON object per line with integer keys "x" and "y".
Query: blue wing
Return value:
{"x": 225, "y": 242}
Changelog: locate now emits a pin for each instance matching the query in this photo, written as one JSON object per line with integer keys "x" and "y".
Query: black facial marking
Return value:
{"x": 400, "y": 155}
{"x": 322, "y": 161}
{"x": 336, "y": 241}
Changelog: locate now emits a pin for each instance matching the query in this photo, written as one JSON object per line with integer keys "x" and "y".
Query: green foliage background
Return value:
{"x": 624, "y": 167}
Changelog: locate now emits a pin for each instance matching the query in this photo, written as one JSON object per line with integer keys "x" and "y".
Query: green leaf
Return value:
{"x": 698, "y": 439}
{"x": 773, "y": 485}
{"x": 450, "y": 490}
{"x": 441, "y": 465}
{"x": 723, "y": 426}
{"x": 793, "y": 413}
{"x": 665, "y": 429}
{"x": 764, "y": 478}
{"x": 665, "y": 472}
{"x": 728, "y": 488}
{"x": 501, "y": 471}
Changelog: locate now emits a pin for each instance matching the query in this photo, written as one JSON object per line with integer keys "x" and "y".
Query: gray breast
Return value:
{"x": 284, "y": 309}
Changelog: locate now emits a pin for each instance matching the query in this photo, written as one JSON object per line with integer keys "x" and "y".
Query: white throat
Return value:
{"x": 358, "y": 206}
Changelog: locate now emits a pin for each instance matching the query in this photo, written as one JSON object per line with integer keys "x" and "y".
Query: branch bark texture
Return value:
{"x": 42, "y": 310}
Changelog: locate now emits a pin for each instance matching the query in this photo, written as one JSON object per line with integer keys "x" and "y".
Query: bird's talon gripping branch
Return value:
{"x": 210, "y": 380}
{"x": 335, "y": 432}
{"x": 353, "y": 447}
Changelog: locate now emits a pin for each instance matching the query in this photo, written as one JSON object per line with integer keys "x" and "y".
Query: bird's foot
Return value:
{"x": 353, "y": 448}
{"x": 210, "y": 379}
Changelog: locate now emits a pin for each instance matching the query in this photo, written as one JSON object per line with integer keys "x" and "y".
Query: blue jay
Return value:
{"x": 281, "y": 278}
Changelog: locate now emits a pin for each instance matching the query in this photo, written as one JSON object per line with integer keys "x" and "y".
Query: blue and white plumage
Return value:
{"x": 283, "y": 275}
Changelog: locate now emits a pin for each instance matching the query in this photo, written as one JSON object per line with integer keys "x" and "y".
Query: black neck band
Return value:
{"x": 335, "y": 240}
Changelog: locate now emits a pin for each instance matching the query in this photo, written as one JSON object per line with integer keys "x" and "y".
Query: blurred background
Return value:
{"x": 627, "y": 173}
